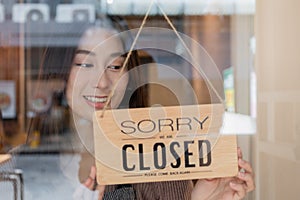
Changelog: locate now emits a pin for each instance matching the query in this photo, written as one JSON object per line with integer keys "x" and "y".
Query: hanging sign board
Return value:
{"x": 162, "y": 144}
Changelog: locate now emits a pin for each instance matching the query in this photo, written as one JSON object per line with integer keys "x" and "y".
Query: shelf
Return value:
{"x": 40, "y": 34}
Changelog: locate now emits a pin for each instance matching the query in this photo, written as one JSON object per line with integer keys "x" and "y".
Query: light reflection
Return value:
{"x": 110, "y": 1}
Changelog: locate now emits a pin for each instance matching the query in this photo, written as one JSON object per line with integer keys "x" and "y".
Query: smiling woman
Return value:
{"x": 95, "y": 72}
{"x": 98, "y": 77}
{"x": 91, "y": 71}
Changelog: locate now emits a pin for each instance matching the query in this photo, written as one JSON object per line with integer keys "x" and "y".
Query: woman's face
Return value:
{"x": 96, "y": 69}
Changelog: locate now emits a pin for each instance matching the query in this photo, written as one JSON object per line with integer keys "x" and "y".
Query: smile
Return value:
{"x": 96, "y": 99}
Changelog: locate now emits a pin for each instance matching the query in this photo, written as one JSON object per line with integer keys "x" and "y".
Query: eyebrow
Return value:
{"x": 117, "y": 54}
{"x": 114, "y": 56}
{"x": 87, "y": 52}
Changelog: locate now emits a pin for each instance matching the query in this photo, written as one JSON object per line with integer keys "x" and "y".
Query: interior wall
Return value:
{"x": 277, "y": 143}
{"x": 9, "y": 68}
{"x": 212, "y": 32}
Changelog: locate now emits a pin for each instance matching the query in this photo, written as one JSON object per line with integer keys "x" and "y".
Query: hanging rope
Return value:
{"x": 126, "y": 60}
{"x": 133, "y": 44}
{"x": 190, "y": 54}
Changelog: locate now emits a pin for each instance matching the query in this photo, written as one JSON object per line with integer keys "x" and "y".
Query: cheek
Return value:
{"x": 120, "y": 91}
{"x": 122, "y": 84}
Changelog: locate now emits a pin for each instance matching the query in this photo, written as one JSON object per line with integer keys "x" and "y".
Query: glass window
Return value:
{"x": 190, "y": 52}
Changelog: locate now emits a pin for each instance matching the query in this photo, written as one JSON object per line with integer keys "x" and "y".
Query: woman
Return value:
{"x": 97, "y": 71}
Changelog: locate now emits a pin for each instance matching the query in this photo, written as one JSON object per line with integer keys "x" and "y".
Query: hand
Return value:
{"x": 233, "y": 188}
{"x": 91, "y": 183}
{"x": 246, "y": 174}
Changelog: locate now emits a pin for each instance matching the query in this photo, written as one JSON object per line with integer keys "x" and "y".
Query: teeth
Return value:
{"x": 96, "y": 99}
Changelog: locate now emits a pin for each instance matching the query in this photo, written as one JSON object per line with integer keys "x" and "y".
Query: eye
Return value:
{"x": 114, "y": 67}
{"x": 83, "y": 61}
{"x": 84, "y": 65}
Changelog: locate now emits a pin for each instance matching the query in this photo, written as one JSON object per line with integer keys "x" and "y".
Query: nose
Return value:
{"x": 102, "y": 81}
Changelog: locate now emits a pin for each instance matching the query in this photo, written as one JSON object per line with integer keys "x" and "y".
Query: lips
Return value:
{"x": 97, "y": 102}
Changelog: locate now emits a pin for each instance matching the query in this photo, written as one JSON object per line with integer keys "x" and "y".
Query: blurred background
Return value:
{"x": 254, "y": 46}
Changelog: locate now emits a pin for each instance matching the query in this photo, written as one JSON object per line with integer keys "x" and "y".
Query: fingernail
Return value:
{"x": 241, "y": 161}
{"x": 240, "y": 150}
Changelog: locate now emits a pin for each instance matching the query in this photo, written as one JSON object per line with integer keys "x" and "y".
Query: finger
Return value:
{"x": 240, "y": 155}
{"x": 238, "y": 180}
{"x": 89, "y": 183}
{"x": 245, "y": 165}
{"x": 239, "y": 152}
{"x": 248, "y": 179}
{"x": 240, "y": 191}
{"x": 93, "y": 172}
